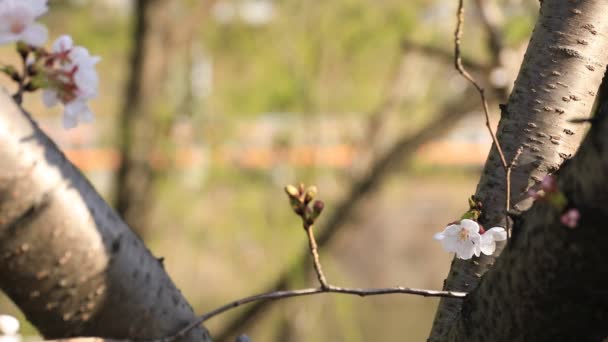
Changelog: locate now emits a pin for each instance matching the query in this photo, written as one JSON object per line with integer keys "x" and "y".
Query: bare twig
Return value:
{"x": 312, "y": 291}
{"x": 366, "y": 184}
{"x": 300, "y": 200}
{"x": 468, "y": 77}
{"x": 458, "y": 64}
{"x": 508, "y": 192}
{"x": 18, "y": 96}
{"x": 312, "y": 243}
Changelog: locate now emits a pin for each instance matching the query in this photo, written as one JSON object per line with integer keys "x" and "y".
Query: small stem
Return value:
{"x": 508, "y": 195}
{"x": 18, "y": 96}
{"x": 468, "y": 77}
{"x": 458, "y": 64}
{"x": 312, "y": 243}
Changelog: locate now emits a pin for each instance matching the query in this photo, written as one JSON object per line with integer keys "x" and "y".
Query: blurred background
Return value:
{"x": 208, "y": 108}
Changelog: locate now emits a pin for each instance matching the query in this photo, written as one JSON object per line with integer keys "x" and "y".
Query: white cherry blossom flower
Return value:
{"x": 462, "y": 238}
{"x": 73, "y": 82}
{"x": 9, "y": 325}
{"x": 467, "y": 239}
{"x": 18, "y": 22}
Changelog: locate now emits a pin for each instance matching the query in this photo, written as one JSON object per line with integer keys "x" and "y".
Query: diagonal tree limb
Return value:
{"x": 66, "y": 258}
{"x": 558, "y": 81}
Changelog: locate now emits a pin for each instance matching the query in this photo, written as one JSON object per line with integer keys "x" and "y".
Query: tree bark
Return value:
{"x": 558, "y": 81}
{"x": 66, "y": 258}
{"x": 549, "y": 283}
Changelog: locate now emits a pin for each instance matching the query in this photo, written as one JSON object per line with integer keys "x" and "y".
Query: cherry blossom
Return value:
{"x": 9, "y": 329}
{"x": 462, "y": 239}
{"x": 467, "y": 238}
{"x": 72, "y": 80}
{"x": 18, "y": 22}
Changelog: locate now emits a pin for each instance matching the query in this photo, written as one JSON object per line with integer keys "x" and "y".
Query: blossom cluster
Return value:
{"x": 467, "y": 238}
{"x": 66, "y": 74}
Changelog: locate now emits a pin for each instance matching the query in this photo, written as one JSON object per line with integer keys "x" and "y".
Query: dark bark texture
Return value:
{"x": 557, "y": 82}
{"x": 66, "y": 258}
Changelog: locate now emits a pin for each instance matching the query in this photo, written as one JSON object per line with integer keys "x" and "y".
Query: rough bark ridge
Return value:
{"x": 558, "y": 81}
{"x": 66, "y": 258}
{"x": 549, "y": 283}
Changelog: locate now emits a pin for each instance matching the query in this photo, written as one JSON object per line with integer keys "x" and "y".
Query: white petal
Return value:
{"x": 49, "y": 98}
{"x": 80, "y": 55}
{"x": 38, "y": 7}
{"x": 87, "y": 116}
{"x": 475, "y": 238}
{"x": 439, "y": 236}
{"x": 69, "y": 121}
{"x": 498, "y": 233}
{"x": 488, "y": 245}
{"x": 35, "y": 35}
{"x": 465, "y": 250}
{"x": 451, "y": 245}
{"x": 75, "y": 107}
{"x": 8, "y": 37}
{"x": 63, "y": 43}
{"x": 452, "y": 230}
{"x": 9, "y": 325}
{"x": 470, "y": 225}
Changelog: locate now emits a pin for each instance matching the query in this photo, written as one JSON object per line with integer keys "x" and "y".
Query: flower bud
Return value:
{"x": 549, "y": 184}
{"x": 317, "y": 209}
{"x": 292, "y": 191}
{"x": 311, "y": 193}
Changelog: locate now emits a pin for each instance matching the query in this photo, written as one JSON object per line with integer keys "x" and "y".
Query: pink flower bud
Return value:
{"x": 570, "y": 218}
{"x": 549, "y": 184}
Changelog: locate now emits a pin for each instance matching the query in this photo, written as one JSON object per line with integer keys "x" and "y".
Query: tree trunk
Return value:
{"x": 66, "y": 258}
{"x": 558, "y": 81}
{"x": 549, "y": 283}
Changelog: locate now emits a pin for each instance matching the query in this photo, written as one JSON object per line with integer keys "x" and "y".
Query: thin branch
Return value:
{"x": 287, "y": 294}
{"x": 366, "y": 184}
{"x": 508, "y": 192}
{"x": 458, "y": 64}
{"x": 312, "y": 291}
{"x": 18, "y": 96}
{"x": 312, "y": 243}
{"x": 300, "y": 200}
{"x": 468, "y": 77}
